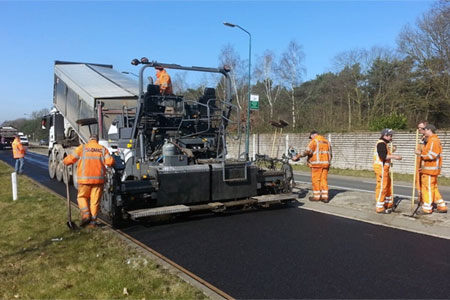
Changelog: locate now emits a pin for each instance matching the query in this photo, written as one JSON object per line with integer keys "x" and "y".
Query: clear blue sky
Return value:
{"x": 34, "y": 34}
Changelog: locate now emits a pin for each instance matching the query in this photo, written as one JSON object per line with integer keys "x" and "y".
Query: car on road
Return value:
{"x": 43, "y": 142}
{"x": 24, "y": 140}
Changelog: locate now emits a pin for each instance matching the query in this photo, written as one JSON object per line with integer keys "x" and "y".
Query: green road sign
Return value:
{"x": 254, "y": 102}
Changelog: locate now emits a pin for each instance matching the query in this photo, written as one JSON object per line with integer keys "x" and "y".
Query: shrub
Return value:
{"x": 392, "y": 121}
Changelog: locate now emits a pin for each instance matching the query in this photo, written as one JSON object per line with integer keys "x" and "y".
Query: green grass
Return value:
{"x": 42, "y": 259}
{"x": 444, "y": 181}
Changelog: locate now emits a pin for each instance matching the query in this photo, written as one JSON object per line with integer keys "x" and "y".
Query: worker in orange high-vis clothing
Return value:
{"x": 319, "y": 159}
{"x": 92, "y": 159}
{"x": 422, "y": 142}
{"x": 164, "y": 81}
{"x": 431, "y": 157}
{"x": 382, "y": 157}
{"x": 18, "y": 154}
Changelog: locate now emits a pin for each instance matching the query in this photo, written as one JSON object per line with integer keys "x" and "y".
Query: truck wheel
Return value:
{"x": 59, "y": 170}
{"x": 66, "y": 175}
{"x": 288, "y": 177}
{"x": 51, "y": 166}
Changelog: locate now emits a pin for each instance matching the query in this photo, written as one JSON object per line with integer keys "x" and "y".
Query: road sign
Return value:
{"x": 254, "y": 102}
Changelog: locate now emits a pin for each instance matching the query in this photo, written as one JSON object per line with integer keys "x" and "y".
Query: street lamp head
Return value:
{"x": 229, "y": 24}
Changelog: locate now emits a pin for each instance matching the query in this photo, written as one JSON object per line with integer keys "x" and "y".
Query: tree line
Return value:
{"x": 370, "y": 89}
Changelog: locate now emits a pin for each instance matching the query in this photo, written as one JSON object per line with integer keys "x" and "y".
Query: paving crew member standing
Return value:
{"x": 422, "y": 143}
{"x": 18, "y": 154}
{"x": 382, "y": 157}
{"x": 319, "y": 158}
{"x": 92, "y": 159}
{"x": 164, "y": 81}
{"x": 429, "y": 171}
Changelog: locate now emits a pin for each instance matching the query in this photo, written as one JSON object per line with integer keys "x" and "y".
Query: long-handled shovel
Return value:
{"x": 414, "y": 180}
{"x": 417, "y": 208}
{"x": 392, "y": 177}
{"x": 396, "y": 199}
{"x": 70, "y": 224}
{"x": 282, "y": 125}
{"x": 276, "y": 125}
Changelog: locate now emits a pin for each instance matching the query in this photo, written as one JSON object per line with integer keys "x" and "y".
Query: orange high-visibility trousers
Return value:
{"x": 319, "y": 180}
{"x": 430, "y": 194}
{"x": 89, "y": 196}
{"x": 383, "y": 192}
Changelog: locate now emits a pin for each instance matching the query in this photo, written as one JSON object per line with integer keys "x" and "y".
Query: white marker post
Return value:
{"x": 14, "y": 185}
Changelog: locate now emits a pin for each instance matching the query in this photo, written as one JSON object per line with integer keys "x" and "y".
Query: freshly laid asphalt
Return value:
{"x": 294, "y": 253}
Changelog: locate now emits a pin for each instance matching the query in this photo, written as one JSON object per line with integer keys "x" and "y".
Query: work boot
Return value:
{"x": 314, "y": 199}
{"x": 84, "y": 222}
{"x": 420, "y": 212}
{"x": 384, "y": 211}
{"x": 325, "y": 200}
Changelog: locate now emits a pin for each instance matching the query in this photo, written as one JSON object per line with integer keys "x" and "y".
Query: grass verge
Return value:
{"x": 444, "y": 181}
{"x": 42, "y": 259}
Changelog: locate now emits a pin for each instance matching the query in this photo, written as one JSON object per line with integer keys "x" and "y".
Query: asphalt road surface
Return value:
{"x": 294, "y": 253}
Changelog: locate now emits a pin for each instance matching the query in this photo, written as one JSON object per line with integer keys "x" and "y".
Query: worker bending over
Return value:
{"x": 164, "y": 81}
{"x": 382, "y": 157}
{"x": 92, "y": 159}
{"x": 430, "y": 168}
{"x": 319, "y": 159}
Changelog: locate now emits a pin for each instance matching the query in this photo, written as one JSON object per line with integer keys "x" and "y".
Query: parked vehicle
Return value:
{"x": 43, "y": 143}
{"x": 24, "y": 140}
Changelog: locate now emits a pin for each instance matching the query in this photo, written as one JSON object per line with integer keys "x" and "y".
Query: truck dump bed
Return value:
{"x": 81, "y": 87}
{"x": 7, "y": 134}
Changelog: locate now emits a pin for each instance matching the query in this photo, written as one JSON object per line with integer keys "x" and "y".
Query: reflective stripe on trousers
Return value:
{"x": 89, "y": 196}
{"x": 430, "y": 194}
{"x": 383, "y": 193}
{"x": 319, "y": 180}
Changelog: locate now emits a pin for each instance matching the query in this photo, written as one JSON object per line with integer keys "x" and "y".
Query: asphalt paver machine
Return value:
{"x": 170, "y": 151}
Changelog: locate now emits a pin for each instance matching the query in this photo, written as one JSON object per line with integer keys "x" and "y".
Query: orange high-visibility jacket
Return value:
{"x": 377, "y": 162}
{"x": 164, "y": 82}
{"x": 319, "y": 152}
{"x": 431, "y": 156}
{"x": 92, "y": 159}
{"x": 18, "y": 149}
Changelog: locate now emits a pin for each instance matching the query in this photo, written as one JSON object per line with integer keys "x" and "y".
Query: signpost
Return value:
{"x": 254, "y": 102}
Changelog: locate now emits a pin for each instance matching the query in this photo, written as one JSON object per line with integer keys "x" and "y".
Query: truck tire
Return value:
{"x": 66, "y": 174}
{"x": 51, "y": 166}
{"x": 288, "y": 177}
{"x": 59, "y": 170}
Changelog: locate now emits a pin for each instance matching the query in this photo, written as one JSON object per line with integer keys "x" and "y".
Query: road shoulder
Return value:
{"x": 360, "y": 206}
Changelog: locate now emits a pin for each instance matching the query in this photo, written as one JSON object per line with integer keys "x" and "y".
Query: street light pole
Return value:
{"x": 247, "y": 134}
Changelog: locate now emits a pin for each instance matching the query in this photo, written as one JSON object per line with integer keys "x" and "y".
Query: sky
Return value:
{"x": 35, "y": 34}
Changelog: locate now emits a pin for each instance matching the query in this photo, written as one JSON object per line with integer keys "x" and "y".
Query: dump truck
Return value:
{"x": 170, "y": 151}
